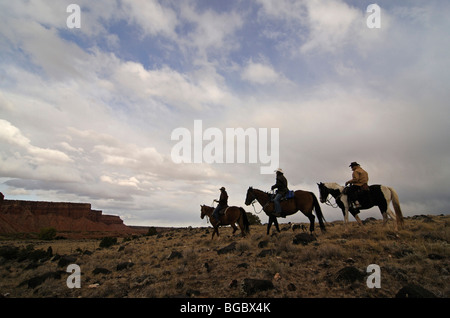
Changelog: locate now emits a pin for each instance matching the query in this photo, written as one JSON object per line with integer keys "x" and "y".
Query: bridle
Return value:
{"x": 328, "y": 202}
{"x": 253, "y": 204}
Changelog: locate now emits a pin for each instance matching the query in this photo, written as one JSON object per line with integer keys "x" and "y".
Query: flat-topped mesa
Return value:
{"x": 32, "y": 216}
{"x": 67, "y": 209}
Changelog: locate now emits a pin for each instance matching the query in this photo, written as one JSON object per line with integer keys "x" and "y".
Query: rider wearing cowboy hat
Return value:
{"x": 223, "y": 203}
{"x": 359, "y": 180}
{"x": 282, "y": 186}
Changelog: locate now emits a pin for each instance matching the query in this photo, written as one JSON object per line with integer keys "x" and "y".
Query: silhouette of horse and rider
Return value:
{"x": 355, "y": 196}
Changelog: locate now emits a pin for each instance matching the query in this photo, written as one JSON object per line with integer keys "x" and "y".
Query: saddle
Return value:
{"x": 362, "y": 195}
{"x": 290, "y": 195}
{"x": 223, "y": 211}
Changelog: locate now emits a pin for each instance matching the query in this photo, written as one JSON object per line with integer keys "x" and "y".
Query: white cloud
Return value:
{"x": 261, "y": 73}
{"x": 152, "y": 17}
{"x": 211, "y": 30}
{"x": 332, "y": 23}
{"x": 12, "y": 136}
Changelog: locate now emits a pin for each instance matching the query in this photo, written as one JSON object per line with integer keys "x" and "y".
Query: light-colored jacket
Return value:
{"x": 359, "y": 177}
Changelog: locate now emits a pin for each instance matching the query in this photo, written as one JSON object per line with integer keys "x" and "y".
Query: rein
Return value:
{"x": 329, "y": 203}
{"x": 254, "y": 209}
{"x": 207, "y": 219}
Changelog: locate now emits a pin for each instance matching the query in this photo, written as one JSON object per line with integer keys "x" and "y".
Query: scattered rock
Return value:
{"x": 179, "y": 285}
{"x": 124, "y": 265}
{"x": 227, "y": 249}
{"x": 101, "y": 270}
{"x": 9, "y": 252}
{"x": 66, "y": 260}
{"x": 349, "y": 274}
{"x": 303, "y": 238}
{"x": 350, "y": 261}
{"x": 435, "y": 256}
{"x": 325, "y": 264}
{"x": 263, "y": 244}
{"x": 277, "y": 277}
{"x": 175, "y": 254}
{"x": 251, "y": 286}
{"x": 414, "y": 291}
{"x": 233, "y": 284}
{"x": 38, "y": 280}
{"x": 265, "y": 253}
{"x": 402, "y": 252}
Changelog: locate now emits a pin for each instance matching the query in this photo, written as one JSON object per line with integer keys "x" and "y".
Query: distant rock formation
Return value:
{"x": 18, "y": 216}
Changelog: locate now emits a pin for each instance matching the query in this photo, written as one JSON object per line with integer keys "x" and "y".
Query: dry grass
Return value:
{"x": 185, "y": 262}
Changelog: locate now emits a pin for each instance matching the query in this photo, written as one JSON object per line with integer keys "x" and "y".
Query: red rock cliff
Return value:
{"x": 18, "y": 216}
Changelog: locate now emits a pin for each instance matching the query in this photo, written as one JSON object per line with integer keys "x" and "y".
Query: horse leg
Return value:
{"x": 312, "y": 219}
{"x": 241, "y": 226}
{"x": 358, "y": 220}
{"x": 269, "y": 224}
{"x": 216, "y": 230}
{"x": 275, "y": 221}
{"x": 234, "y": 227}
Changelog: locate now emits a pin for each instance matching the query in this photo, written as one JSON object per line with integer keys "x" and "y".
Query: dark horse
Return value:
{"x": 232, "y": 215}
{"x": 304, "y": 201}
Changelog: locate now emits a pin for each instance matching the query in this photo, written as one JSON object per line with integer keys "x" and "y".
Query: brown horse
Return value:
{"x": 232, "y": 215}
{"x": 303, "y": 201}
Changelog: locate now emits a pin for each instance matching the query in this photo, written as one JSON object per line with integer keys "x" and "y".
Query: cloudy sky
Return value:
{"x": 87, "y": 114}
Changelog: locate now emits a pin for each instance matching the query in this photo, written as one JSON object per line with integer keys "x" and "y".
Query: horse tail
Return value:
{"x": 397, "y": 209}
{"x": 245, "y": 221}
{"x": 318, "y": 212}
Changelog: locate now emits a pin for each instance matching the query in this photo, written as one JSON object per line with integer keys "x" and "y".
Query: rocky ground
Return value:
{"x": 185, "y": 262}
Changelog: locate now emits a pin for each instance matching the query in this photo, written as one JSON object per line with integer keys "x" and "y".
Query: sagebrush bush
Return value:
{"x": 108, "y": 241}
{"x": 47, "y": 234}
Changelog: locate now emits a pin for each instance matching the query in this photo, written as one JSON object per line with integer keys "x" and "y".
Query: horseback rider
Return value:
{"x": 223, "y": 203}
{"x": 282, "y": 189}
{"x": 358, "y": 182}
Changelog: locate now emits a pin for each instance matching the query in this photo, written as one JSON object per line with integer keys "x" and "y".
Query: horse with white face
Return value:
{"x": 379, "y": 195}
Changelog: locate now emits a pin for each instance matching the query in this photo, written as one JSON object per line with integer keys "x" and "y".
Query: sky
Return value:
{"x": 88, "y": 114}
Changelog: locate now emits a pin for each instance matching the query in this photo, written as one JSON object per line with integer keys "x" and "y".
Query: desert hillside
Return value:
{"x": 185, "y": 262}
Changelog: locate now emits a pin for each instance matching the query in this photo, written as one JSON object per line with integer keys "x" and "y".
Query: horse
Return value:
{"x": 379, "y": 195}
{"x": 303, "y": 201}
{"x": 232, "y": 215}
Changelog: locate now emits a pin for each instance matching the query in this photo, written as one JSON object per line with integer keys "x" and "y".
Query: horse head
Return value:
{"x": 250, "y": 196}
{"x": 204, "y": 209}
{"x": 324, "y": 192}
